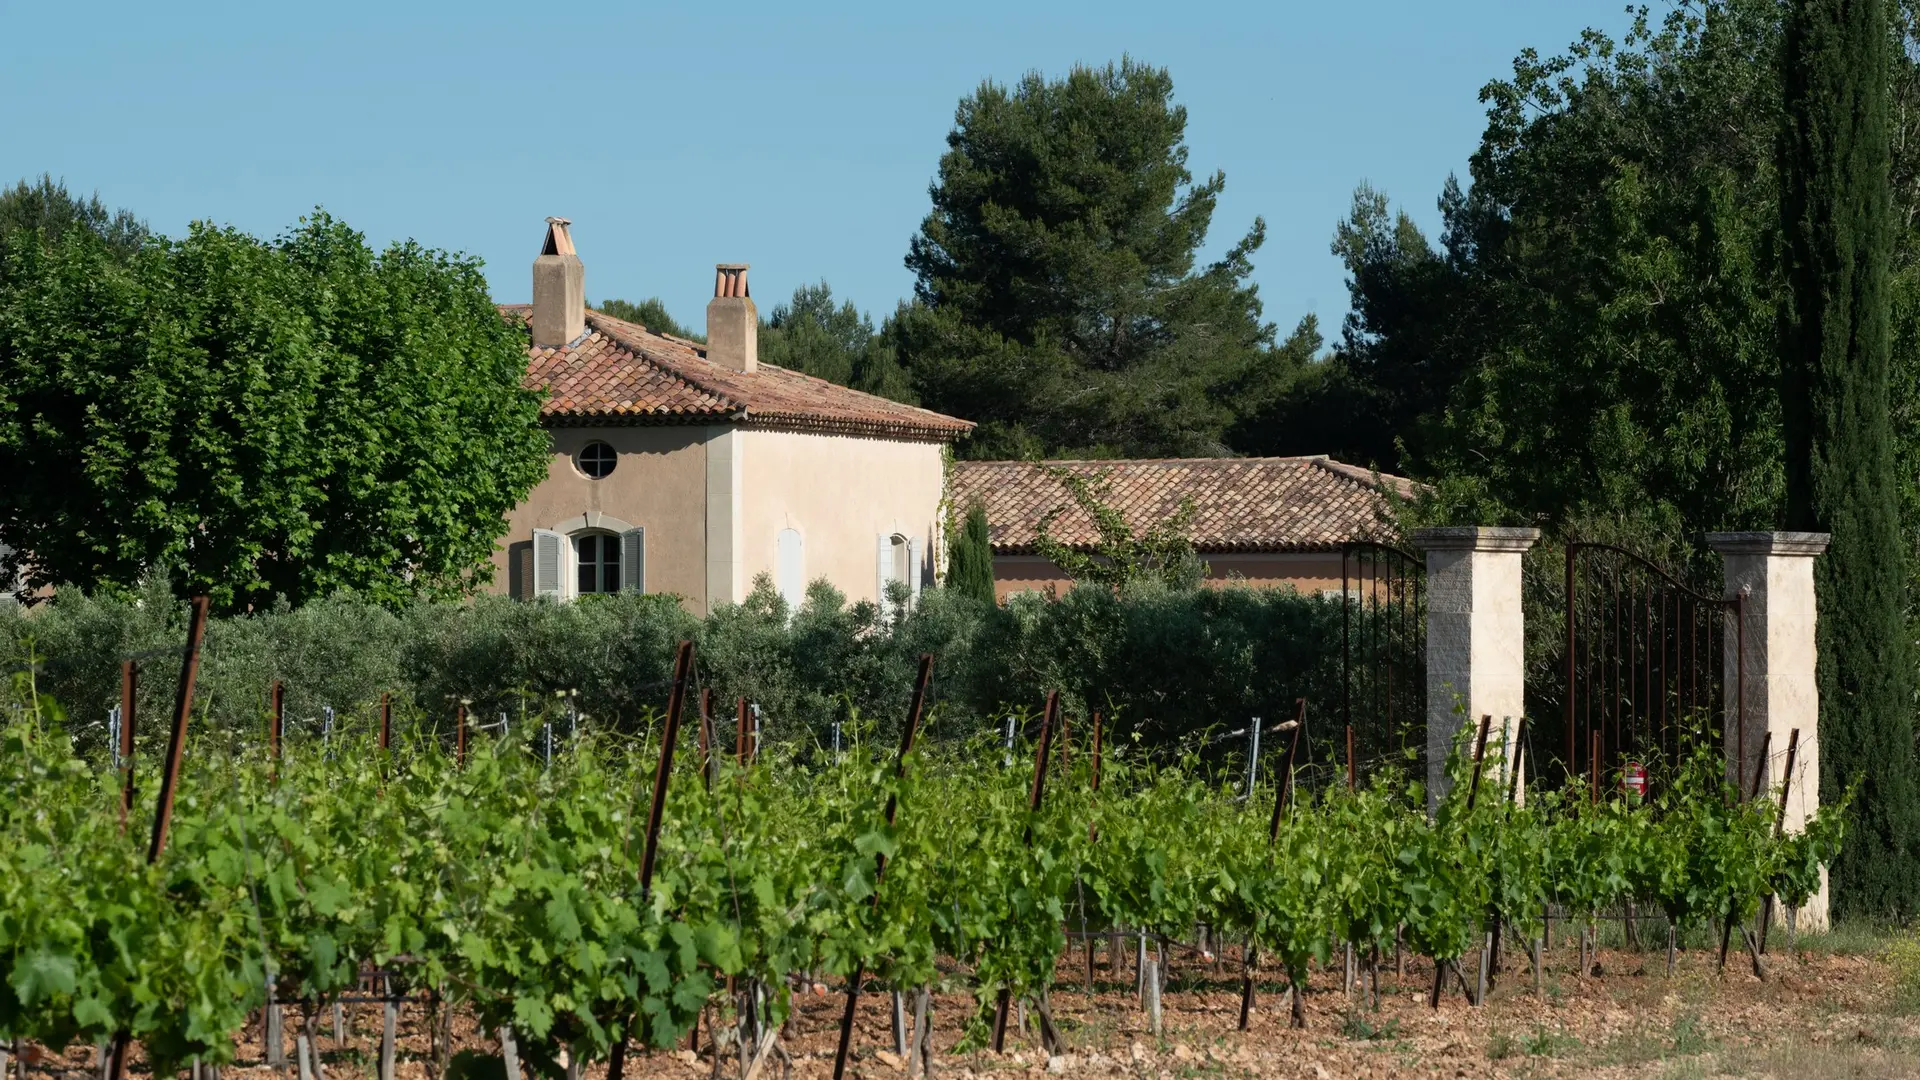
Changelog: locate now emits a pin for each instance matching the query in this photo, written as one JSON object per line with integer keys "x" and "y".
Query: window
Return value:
{"x": 596, "y": 459}
{"x": 597, "y": 556}
{"x": 899, "y": 559}
{"x": 595, "y": 559}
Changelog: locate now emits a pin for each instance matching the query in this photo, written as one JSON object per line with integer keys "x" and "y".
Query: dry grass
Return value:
{"x": 1806, "y": 1061}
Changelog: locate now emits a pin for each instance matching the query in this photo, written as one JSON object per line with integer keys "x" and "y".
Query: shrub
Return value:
{"x": 1159, "y": 661}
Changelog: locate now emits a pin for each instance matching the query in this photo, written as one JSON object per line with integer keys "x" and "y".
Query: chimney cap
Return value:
{"x": 730, "y": 279}
{"x": 559, "y": 240}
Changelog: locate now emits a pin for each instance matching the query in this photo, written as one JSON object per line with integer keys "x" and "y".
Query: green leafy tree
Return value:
{"x": 1592, "y": 342}
{"x": 1835, "y": 347}
{"x": 256, "y": 419}
{"x": 1120, "y": 555}
{"x": 811, "y": 334}
{"x": 1594, "y": 338}
{"x": 1058, "y": 298}
{"x": 1595, "y": 343}
{"x": 650, "y": 313}
{"x": 970, "y": 565}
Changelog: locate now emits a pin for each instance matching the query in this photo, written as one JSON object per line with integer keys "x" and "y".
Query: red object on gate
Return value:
{"x": 1633, "y": 780}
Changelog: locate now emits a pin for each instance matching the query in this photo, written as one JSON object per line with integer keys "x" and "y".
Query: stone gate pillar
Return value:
{"x": 1476, "y": 636}
{"x": 1774, "y": 572}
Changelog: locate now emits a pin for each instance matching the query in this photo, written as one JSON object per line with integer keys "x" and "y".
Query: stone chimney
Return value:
{"x": 559, "y": 289}
{"x": 733, "y": 324}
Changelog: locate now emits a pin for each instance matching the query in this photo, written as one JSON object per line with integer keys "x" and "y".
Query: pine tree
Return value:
{"x": 48, "y": 208}
{"x": 1060, "y": 300}
{"x": 1835, "y": 357}
{"x": 970, "y": 566}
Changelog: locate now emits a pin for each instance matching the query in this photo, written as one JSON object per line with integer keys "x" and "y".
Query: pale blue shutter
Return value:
{"x": 549, "y": 562}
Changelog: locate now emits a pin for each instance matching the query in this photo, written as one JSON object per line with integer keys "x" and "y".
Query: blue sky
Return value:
{"x": 799, "y": 138}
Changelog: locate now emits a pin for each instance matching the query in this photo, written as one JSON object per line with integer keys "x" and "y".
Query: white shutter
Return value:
{"x": 913, "y": 567}
{"x": 790, "y": 562}
{"x": 549, "y": 562}
{"x": 883, "y": 555}
{"x": 633, "y": 561}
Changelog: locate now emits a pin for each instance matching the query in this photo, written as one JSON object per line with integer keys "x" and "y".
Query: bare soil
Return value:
{"x": 1816, "y": 1016}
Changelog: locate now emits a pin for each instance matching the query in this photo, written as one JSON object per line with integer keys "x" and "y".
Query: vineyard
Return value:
{"x": 588, "y": 892}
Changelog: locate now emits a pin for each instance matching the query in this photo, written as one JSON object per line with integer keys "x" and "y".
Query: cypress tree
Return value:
{"x": 1835, "y": 358}
{"x": 970, "y": 569}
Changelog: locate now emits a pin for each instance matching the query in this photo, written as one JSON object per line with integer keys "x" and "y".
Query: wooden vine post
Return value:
{"x": 169, "y": 777}
{"x": 1750, "y": 794}
{"x": 1040, "y": 756}
{"x": 1093, "y": 833}
{"x": 663, "y": 772}
{"x": 914, "y": 713}
{"x": 1473, "y": 792}
{"x": 1490, "y": 953}
{"x": 129, "y": 703}
{"x": 271, "y": 1027}
{"x": 276, "y": 724}
{"x": 706, "y": 736}
{"x": 1779, "y": 826}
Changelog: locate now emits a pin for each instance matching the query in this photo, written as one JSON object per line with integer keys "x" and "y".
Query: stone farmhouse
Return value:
{"x": 689, "y": 469}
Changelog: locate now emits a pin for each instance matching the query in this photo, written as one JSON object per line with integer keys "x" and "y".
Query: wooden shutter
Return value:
{"x": 549, "y": 563}
{"x": 633, "y": 561}
{"x": 883, "y": 555}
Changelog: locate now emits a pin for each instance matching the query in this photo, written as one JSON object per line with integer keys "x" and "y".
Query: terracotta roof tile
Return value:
{"x": 1240, "y": 504}
{"x": 622, "y": 373}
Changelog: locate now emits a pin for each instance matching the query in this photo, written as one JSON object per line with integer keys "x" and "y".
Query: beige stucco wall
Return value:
{"x": 658, "y": 483}
{"x": 841, "y": 493}
{"x": 1310, "y": 572}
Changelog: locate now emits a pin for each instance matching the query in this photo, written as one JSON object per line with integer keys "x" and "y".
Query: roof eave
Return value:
{"x": 742, "y": 418}
{"x": 1248, "y": 548}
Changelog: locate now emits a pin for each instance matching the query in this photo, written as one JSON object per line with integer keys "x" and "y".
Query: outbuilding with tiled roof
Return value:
{"x": 1262, "y": 521}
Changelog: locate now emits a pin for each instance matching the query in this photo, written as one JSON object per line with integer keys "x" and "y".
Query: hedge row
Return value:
{"x": 1161, "y": 662}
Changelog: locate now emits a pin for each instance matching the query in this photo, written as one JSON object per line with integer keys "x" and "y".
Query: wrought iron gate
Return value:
{"x": 1645, "y": 664}
{"x": 1383, "y": 660}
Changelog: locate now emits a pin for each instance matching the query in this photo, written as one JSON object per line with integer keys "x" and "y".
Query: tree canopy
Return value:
{"x": 809, "y": 333}
{"x": 1058, "y": 298}
{"x": 650, "y": 313}
{"x": 1595, "y": 341}
{"x": 1592, "y": 342}
{"x": 199, "y": 409}
{"x": 47, "y": 208}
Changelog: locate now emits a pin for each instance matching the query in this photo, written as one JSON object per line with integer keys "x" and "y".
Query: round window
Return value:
{"x": 596, "y": 459}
